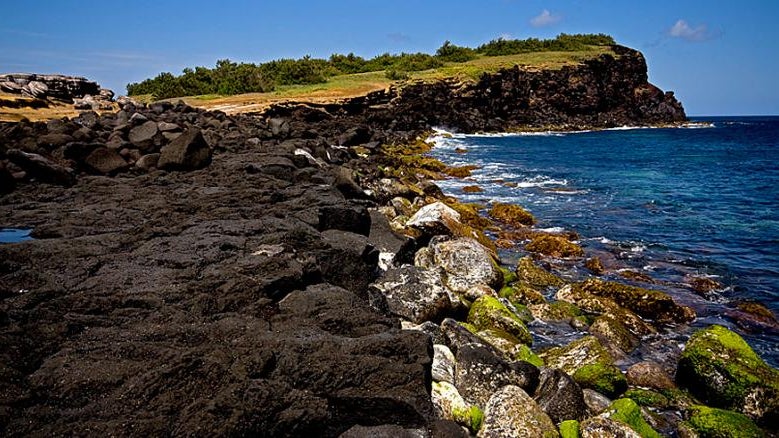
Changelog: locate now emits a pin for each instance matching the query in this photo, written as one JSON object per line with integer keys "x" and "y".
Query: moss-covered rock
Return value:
{"x": 594, "y": 265}
{"x": 601, "y": 305}
{"x": 569, "y": 429}
{"x": 709, "y": 422}
{"x": 509, "y": 276}
{"x": 509, "y": 345}
{"x": 647, "y": 303}
{"x": 627, "y": 411}
{"x": 554, "y": 246}
{"x": 472, "y": 189}
{"x": 511, "y": 214}
{"x": 721, "y": 369}
{"x": 489, "y": 313}
{"x": 450, "y": 405}
{"x": 459, "y": 171}
{"x": 612, "y": 332}
{"x": 579, "y": 353}
{"x": 647, "y": 397}
{"x": 521, "y": 293}
{"x": 555, "y": 311}
{"x": 604, "y": 378}
{"x": 529, "y": 273}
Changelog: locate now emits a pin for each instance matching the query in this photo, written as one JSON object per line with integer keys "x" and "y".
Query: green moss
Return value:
{"x": 511, "y": 214}
{"x": 604, "y": 378}
{"x": 523, "y": 352}
{"x": 509, "y": 276}
{"x": 718, "y": 423}
{"x": 579, "y": 353}
{"x": 565, "y": 310}
{"x": 472, "y": 417}
{"x": 534, "y": 275}
{"x": 569, "y": 429}
{"x": 647, "y": 303}
{"x": 522, "y": 293}
{"x": 645, "y": 397}
{"x": 628, "y": 412}
{"x": 488, "y": 312}
{"x": 721, "y": 369}
{"x": 555, "y": 246}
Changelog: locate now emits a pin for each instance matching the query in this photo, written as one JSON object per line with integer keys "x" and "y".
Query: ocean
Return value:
{"x": 673, "y": 204}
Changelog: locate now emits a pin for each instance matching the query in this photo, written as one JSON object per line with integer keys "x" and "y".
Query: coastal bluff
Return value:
{"x": 196, "y": 273}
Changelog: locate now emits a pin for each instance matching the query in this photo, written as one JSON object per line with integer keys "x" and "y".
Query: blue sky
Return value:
{"x": 720, "y": 57}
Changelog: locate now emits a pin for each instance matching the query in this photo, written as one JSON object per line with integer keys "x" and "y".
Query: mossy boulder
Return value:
{"x": 627, "y": 411}
{"x": 722, "y": 370}
{"x": 509, "y": 345}
{"x": 579, "y": 353}
{"x": 569, "y": 429}
{"x": 613, "y": 333}
{"x": 529, "y": 273}
{"x": 601, "y": 305}
{"x": 511, "y": 214}
{"x": 602, "y": 377}
{"x": 489, "y": 313}
{"x": 647, "y": 397}
{"x": 522, "y": 293}
{"x": 509, "y": 276}
{"x": 450, "y": 405}
{"x": 650, "y": 304}
{"x": 709, "y": 422}
{"x": 554, "y": 246}
{"x": 510, "y": 412}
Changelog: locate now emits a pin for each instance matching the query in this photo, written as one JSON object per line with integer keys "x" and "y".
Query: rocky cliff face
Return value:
{"x": 605, "y": 92}
{"x": 84, "y": 93}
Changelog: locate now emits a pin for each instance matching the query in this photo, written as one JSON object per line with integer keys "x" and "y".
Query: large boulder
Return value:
{"x": 721, "y": 369}
{"x": 142, "y": 136}
{"x": 650, "y": 304}
{"x": 529, "y": 273}
{"x": 560, "y": 396}
{"x": 41, "y": 168}
{"x": 189, "y": 151}
{"x": 602, "y": 305}
{"x": 712, "y": 422}
{"x": 415, "y": 294}
{"x": 626, "y": 411}
{"x": 511, "y": 413}
{"x": 105, "y": 161}
{"x": 466, "y": 263}
{"x": 570, "y": 358}
{"x": 479, "y": 372}
{"x": 490, "y": 313}
{"x": 436, "y": 219}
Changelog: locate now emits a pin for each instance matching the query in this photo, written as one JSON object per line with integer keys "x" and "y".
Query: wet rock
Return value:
{"x": 41, "y": 168}
{"x": 649, "y": 375}
{"x": 599, "y": 427}
{"x": 595, "y": 401}
{"x": 613, "y": 333}
{"x": 533, "y": 275}
{"x": 628, "y": 412}
{"x": 585, "y": 351}
{"x": 510, "y": 413}
{"x": 605, "y": 378}
{"x": 142, "y": 136}
{"x": 712, "y": 422}
{"x": 595, "y": 265}
{"x": 511, "y": 214}
{"x": 466, "y": 264}
{"x": 648, "y": 398}
{"x": 555, "y": 311}
{"x": 721, "y": 369}
{"x": 415, "y": 294}
{"x": 443, "y": 364}
{"x": 554, "y": 246}
{"x": 479, "y": 372}
{"x": 521, "y": 293}
{"x": 190, "y": 151}
{"x": 450, "y": 405}
{"x": 489, "y": 313}
{"x": 105, "y": 161}
{"x": 647, "y": 303}
{"x": 754, "y": 317}
{"x": 560, "y": 396}
{"x": 602, "y": 305}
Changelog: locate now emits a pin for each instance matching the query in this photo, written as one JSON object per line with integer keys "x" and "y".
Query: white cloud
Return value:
{"x": 545, "y": 18}
{"x": 686, "y": 32}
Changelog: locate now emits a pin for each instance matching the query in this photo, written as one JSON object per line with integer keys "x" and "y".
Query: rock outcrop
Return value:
{"x": 85, "y": 94}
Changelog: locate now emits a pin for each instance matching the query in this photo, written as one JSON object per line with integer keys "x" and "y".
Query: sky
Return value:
{"x": 719, "y": 57}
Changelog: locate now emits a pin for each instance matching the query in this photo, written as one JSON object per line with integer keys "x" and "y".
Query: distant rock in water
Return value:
{"x": 83, "y": 93}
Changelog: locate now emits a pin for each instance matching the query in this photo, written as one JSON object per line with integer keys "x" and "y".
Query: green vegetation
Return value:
{"x": 718, "y": 423}
{"x": 230, "y": 78}
{"x": 604, "y": 378}
{"x": 628, "y": 412}
{"x": 569, "y": 429}
{"x": 489, "y": 313}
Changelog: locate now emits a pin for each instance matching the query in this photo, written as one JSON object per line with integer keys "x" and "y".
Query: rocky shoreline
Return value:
{"x": 297, "y": 273}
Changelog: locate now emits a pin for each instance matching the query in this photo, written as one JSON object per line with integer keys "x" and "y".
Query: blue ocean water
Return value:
{"x": 673, "y": 203}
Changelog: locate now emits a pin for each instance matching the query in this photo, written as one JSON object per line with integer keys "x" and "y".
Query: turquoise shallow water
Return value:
{"x": 676, "y": 203}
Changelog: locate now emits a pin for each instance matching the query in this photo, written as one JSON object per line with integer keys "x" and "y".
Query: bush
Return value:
{"x": 395, "y": 75}
{"x": 448, "y": 52}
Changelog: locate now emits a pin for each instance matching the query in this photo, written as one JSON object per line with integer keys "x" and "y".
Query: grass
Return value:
{"x": 347, "y": 86}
